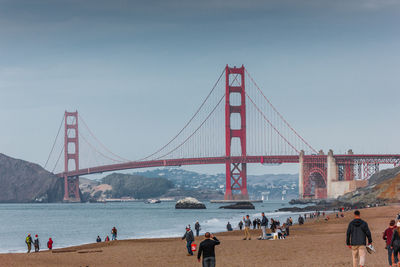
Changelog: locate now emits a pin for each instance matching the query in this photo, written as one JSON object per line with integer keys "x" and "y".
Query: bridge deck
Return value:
{"x": 382, "y": 159}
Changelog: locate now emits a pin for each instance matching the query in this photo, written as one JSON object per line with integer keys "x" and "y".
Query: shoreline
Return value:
{"x": 312, "y": 244}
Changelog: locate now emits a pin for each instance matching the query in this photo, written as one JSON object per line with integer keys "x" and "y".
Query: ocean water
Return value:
{"x": 75, "y": 224}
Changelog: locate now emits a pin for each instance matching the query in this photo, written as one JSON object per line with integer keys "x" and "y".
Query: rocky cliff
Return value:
{"x": 383, "y": 186}
{"x": 22, "y": 182}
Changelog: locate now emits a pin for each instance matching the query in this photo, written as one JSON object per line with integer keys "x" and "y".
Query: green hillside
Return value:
{"x": 136, "y": 186}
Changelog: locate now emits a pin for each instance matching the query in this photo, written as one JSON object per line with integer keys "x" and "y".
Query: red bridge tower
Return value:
{"x": 236, "y": 172}
{"x": 71, "y": 152}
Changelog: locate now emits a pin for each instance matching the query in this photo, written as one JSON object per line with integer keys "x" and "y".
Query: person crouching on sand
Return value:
{"x": 207, "y": 248}
{"x": 189, "y": 236}
{"x": 357, "y": 233}
{"x": 247, "y": 225}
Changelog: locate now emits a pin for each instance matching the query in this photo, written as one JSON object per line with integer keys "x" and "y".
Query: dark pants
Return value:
{"x": 396, "y": 251}
{"x": 189, "y": 247}
{"x": 390, "y": 253}
{"x": 36, "y": 248}
{"x": 197, "y": 232}
{"x": 209, "y": 262}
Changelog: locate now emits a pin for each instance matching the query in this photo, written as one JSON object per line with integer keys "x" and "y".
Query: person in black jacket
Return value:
{"x": 197, "y": 228}
{"x": 189, "y": 236}
{"x": 207, "y": 248}
{"x": 395, "y": 243}
{"x": 356, "y": 236}
{"x": 264, "y": 224}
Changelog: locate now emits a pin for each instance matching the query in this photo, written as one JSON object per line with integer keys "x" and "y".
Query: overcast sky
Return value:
{"x": 137, "y": 70}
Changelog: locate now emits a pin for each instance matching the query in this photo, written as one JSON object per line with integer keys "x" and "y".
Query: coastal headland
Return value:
{"x": 316, "y": 243}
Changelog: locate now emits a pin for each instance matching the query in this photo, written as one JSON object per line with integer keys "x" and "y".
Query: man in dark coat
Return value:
{"x": 189, "y": 236}
{"x": 197, "y": 228}
{"x": 264, "y": 224}
{"x": 357, "y": 233}
{"x": 207, "y": 248}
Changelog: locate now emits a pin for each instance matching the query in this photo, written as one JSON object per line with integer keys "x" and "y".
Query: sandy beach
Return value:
{"x": 317, "y": 243}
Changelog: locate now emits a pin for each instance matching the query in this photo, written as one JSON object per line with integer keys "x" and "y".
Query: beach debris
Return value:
{"x": 90, "y": 251}
{"x": 189, "y": 203}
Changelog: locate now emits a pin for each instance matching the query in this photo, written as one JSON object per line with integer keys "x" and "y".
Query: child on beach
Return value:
{"x": 50, "y": 244}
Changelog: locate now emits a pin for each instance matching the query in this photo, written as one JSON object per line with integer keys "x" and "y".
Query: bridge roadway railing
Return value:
{"x": 277, "y": 159}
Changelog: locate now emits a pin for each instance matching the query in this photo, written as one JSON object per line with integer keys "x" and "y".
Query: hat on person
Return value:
{"x": 35, "y": 235}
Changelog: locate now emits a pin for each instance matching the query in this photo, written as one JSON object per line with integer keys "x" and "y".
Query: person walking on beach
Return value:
{"x": 387, "y": 236}
{"x": 254, "y": 224}
{"x": 247, "y": 225}
{"x": 264, "y": 224}
{"x": 395, "y": 243}
{"x": 240, "y": 225}
{"x": 114, "y": 233}
{"x": 28, "y": 241}
{"x": 50, "y": 244}
{"x": 36, "y": 243}
{"x": 207, "y": 248}
{"x": 357, "y": 233}
{"x": 197, "y": 228}
{"x": 189, "y": 239}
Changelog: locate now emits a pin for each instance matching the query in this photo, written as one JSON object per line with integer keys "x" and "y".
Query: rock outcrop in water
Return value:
{"x": 239, "y": 206}
{"x": 24, "y": 182}
{"x": 189, "y": 203}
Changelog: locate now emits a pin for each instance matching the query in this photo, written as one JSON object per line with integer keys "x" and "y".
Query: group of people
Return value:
{"x": 275, "y": 227}
{"x": 392, "y": 237}
{"x": 206, "y": 247}
{"x": 359, "y": 240}
{"x": 113, "y": 236}
{"x": 29, "y": 241}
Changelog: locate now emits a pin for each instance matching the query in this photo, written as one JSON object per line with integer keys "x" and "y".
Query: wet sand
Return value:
{"x": 317, "y": 243}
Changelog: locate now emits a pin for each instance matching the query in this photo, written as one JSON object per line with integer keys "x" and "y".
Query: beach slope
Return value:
{"x": 317, "y": 243}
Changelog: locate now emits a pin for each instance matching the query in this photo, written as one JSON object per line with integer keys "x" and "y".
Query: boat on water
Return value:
{"x": 152, "y": 201}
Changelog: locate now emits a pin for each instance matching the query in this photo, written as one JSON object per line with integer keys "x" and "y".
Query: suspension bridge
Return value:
{"x": 235, "y": 125}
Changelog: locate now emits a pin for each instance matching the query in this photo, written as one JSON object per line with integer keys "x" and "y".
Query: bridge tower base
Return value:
{"x": 236, "y": 172}
{"x": 71, "y": 153}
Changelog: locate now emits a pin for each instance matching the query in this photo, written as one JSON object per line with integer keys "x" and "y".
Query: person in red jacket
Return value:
{"x": 50, "y": 244}
{"x": 387, "y": 235}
